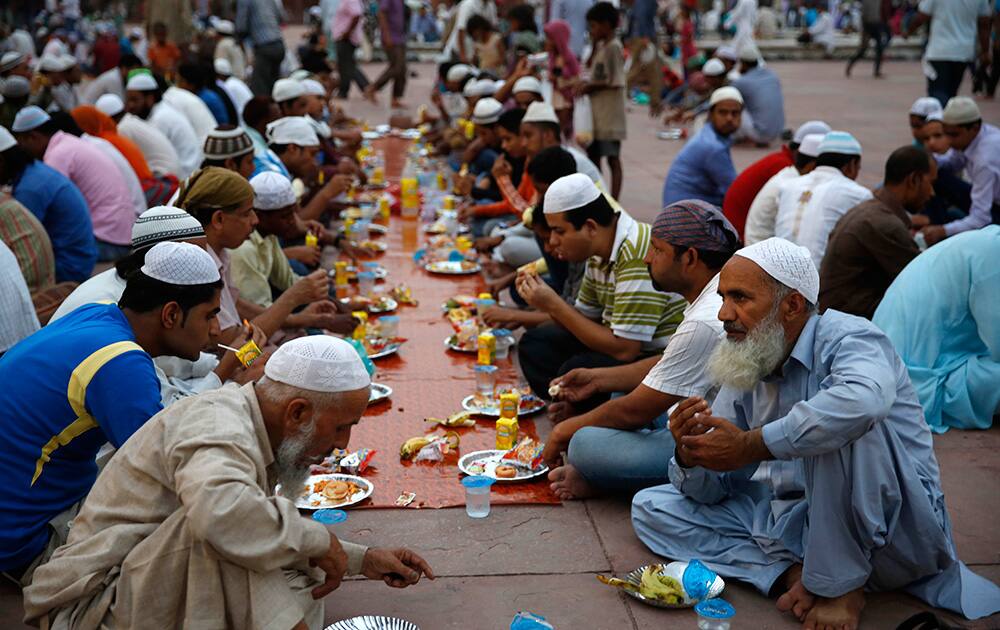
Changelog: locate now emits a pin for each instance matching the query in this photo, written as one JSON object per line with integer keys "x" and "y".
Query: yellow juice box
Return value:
{"x": 247, "y": 353}
{"x": 361, "y": 330}
{"x": 378, "y": 175}
{"x": 510, "y": 404}
{"x": 506, "y": 433}
{"x": 312, "y": 240}
{"x": 487, "y": 348}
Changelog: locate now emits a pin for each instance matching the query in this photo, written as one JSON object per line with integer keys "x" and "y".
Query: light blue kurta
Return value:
{"x": 853, "y": 493}
{"x": 942, "y": 314}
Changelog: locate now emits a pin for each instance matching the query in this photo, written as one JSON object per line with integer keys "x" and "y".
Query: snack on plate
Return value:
{"x": 334, "y": 490}
{"x": 404, "y": 295}
{"x": 467, "y": 302}
{"x": 459, "y": 315}
{"x": 504, "y": 471}
{"x": 476, "y": 469}
{"x": 527, "y": 454}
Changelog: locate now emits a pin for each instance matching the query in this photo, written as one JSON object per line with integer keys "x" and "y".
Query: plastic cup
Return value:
{"x": 504, "y": 341}
{"x": 486, "y": 380}
{"x": 714, "y": 614}
{"x": 329, "y": 517}
{"x": 366, "y": 283}
{"x": 477, "y": 496}
{"x": 389, "y": 326}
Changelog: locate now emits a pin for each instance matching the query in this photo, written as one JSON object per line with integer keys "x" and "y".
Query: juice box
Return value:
{"x": 247, "y": 353}
{"x": 361, "y": 330}
{"x": 506, "y": 433}
{"x": 378, "y": 175}
{"x": 312, "y": 240}
{"x": 510, "y": 404}
{"x": 340, "y": 278}
{"x": 487, "y": 348}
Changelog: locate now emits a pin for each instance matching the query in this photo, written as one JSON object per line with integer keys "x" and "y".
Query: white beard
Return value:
{"x": 743, "y": 364}
{"x": 290, "y": 471}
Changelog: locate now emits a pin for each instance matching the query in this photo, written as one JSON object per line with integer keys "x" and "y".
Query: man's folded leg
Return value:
{"x": 613, "y": 460}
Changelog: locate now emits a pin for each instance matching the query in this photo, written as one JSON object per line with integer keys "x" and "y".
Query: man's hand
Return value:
{"x": 934, "y": 234}
{"x": 311, "y": 288}
{"x": 309, "y": 256}
{"x": 537, "y": 292}
{"x": 315, "y": 227}
{"x": 919, "y": 222}
{"x": 398, "y": 568}
{"x": 463, "y": 185}
{"x": 561, "y": 410}
{"x": 577, "y": 385}
{"x": 334, "y": 564}
{"x": 500, "y": 317}
{"x": 325, "y": 314}
{"x": 501, "y": 168}
{"x": 466, "y": 211}
{"x": 557, "y": 444}
{"x": 338, "y": 184}
{"x": 683, "y": 422}
{"x": 485, "y": 244}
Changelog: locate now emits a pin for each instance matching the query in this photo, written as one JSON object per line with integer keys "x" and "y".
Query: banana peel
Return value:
{"x": 412, "y": 446}
{"x": 652, "y": 585}
{"x": 460, "y": 419}
{"x": 619, "y": 583}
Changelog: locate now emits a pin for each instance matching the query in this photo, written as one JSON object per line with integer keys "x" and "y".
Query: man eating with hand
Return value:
{"x": 813, "y": 472}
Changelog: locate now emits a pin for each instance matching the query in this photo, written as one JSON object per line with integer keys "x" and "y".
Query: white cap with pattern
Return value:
{"x": 540, "y": 112}
{"x": 569, "y": 193}
{"x": 527, "y": 84}
{"x": 272, "y": 191}
{"x": 318, "y": 363}
{"x": 164, "y": 223}
{"x": 809, "y": 128}
{"x": 786, "y": 262}
{"x": 297, "y": 130}
{"x": 180, "y": 264}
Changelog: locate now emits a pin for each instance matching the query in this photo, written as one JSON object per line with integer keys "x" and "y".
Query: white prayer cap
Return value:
{"x": 6, "y": 139}
{"x": 810, "y": 144}
{"x": 51, "y": 63}
{"x": 110, "y": 104}
{"x": 925, "y": 106}
{"x": 569, "y": 193}
{"x": 727, "y": 93}
{"x": 272, "y": 191}
{"x": 312, "y": 86}
{"x": 28, "y": 118}
{"x": 225, "y": 27}
{"x": 222, "y": 66}
{"x": 499, "y": 83}
{"x": 11, "y": 60}
{"x": 841, "y": 143}
{"x": 318, "y": 363}
{"x": 934, "y": 116}
{"x": 713, "y": 68}
{"x": 749, "y": 52}
{"x": 68, "y": 61}
{"x": 459, "y": 71}
{"x": 180, "y": 264}
{"x": 540, "y": 112}
{"x": 141, "y": 82}
{"x": 726, "y": 52}
{"x": 961, "y": 110}
{"x": 164, "y": 223}
{"x": 286, "y": 90}
{"x": 786, "y": 262}
{"x": 487, "y": 111}
{"x": 295, "y": 130}
{"x": 527, "y": 84}
{"x": 321, "y": 128}
{"x": 808, "y": 128}
{"x": 15, "y": 86}
{"x": 481, "y": 87}
{"x": 136, "y": 32}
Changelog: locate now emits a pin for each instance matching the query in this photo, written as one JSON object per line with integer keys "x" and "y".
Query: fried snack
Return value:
{"x": 505, "y": 472}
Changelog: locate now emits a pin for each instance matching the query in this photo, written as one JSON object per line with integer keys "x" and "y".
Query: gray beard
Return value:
{"x": 291, "y": 473}
{"x": 743, "y": 364}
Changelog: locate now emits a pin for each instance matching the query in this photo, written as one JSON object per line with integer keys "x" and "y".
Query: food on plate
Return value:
{"x": 459, "y": 315}
{"x": 527, "y": 454}
{"x": 404, "y": 295}
{"x": 476, "y": 469}
{"x": 619, "y": 583}
{"x": 505, "y": 472}
{"x": 337, "y": 490}
{"x": 655, "y": 585}
{"x": 467, "y": 302}
{"x": 375, "y": 246}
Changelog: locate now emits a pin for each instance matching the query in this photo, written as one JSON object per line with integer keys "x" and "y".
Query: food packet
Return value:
{"x": 357, "y": 462}
{"x": 526, "y": 454}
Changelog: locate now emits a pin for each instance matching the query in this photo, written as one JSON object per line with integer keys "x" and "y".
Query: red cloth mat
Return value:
{"x": 428, "y": 380}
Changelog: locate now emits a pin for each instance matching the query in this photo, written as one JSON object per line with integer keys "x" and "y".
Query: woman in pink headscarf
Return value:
{"x": 564, "y": 70}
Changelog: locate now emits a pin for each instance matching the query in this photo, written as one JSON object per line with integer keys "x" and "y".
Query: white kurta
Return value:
{"x": 182, "y": 529}
{"x": 194, "y": 109}
{"x": 181, "y": 134}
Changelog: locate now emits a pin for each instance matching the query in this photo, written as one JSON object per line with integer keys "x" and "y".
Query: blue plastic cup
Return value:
{"x": 477, "y": 495}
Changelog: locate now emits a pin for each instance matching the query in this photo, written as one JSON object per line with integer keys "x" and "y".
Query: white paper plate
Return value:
{"x": 452, "y": 268}
{"x": 489, "y": 460}
{"x": 469, "y": 404}
{"x": 390, "y": 348}
{"x": 376, "y": 228}
{"x": 676, "y": 571}
{"x": 369, "y": 135}
{"x": 438, "y": 228}
{"x": 309, "y": 501}
{"x": 381, "y": 273}
{"x": 451, "y": 345}
{"x": 369, "y": 622}
{"x": 374, "y": 246}
{"x": 390, "y": 305}
{"x": 379, "y": 392}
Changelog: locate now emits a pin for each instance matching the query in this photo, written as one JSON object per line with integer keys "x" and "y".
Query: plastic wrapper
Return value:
{"x": 526, "y": 454}
{"x": 530, "y": 621}
{"x": 403, "y": 295}
{"x": 343, "y": 461}
{"x": 429, "y": 447}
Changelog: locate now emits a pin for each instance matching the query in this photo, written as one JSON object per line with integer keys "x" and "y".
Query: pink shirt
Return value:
{"x": 346, "y": 12}
{"x": 111, "y": 209}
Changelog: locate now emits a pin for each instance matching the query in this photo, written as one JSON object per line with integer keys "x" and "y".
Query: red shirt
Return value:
{"x": 747, "y": 184}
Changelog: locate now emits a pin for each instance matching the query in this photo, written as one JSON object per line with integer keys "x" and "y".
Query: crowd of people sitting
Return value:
{"x": 762, "y": 366}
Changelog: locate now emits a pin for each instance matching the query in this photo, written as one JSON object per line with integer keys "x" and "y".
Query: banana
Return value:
{"x": 460, "y": 419}
{"x": 658, "y": 586}
{"x": 413, "y": 445}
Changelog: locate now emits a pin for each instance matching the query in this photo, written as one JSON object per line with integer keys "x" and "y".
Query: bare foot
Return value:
{"x": 568, "y": 484}
{"x": 838, "y": 613}
{"x": 398, "y": 104}
{"x": 796, "y": 600}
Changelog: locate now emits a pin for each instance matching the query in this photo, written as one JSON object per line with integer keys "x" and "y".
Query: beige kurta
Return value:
{"x": 182, "y": 530}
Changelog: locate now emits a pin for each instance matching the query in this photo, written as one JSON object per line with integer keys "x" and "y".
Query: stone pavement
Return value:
{"x": 544, "y": 559}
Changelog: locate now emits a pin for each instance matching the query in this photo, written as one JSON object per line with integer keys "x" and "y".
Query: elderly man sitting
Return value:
{"x": 183, "y": 527}
{"x": 813, "y": 472}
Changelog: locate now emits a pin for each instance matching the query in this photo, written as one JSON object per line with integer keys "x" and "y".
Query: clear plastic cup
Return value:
{"x": 477, "y": 495}
{"x": 504, "y": 341}
{"x": 714, "y": 614}
{"x": 486, "y": 380}
{"x": 389, "y": 326}
{"x": 366, "y": 283}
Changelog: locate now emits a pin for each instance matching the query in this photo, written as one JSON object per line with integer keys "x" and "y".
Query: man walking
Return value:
{"x": 951, "y": 46}
{"x": 258, "y": 21}
{"x": 392, "y": 25}
{"x": 874, "y": 25}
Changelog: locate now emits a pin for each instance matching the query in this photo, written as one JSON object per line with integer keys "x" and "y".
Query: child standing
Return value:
{"x": 564, "y": 72}
{"x": 606, "y": 88}
{"x": 163, "y": 55}
{"x": 490, "y": 53}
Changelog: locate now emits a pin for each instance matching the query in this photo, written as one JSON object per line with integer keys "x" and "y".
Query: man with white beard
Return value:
{"x": 184, "y": 529}
{"x": 813, "y": 472}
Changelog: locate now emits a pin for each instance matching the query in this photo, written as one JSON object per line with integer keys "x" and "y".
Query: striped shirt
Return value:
{"x": 27, "y": 239}
{"x": 258, "y": 21}
{"x": 620, "y": 293}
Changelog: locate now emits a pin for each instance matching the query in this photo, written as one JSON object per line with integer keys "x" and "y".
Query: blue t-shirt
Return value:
{"x": 61, "y": 208}
{"x": 702, "y": 170}
{"x": 215, "y": 105}
{"x": 36, "y": 416}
